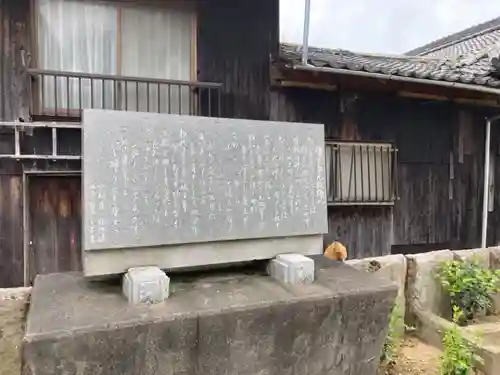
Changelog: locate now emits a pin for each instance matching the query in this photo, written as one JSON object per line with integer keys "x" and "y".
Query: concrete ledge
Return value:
{"x": 391, "y": 267}
{"x": 430, "y": 307}
{"x": 495, "y": 257}
{"x": 431, "y": 329}
{"x": 423, "y": 291}
{"x": 178, "y": 257}
{"x": 239, "y": 324}
{"x": 482, "y": 256}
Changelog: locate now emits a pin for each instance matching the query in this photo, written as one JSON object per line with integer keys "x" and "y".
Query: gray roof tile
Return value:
{"x": 475, "y": 68}
{"x": 470, "y": 40}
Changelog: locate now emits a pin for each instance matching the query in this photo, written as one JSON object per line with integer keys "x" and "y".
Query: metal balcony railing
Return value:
{"x": 361, "y": 173}
{"x": 56, "y": 95}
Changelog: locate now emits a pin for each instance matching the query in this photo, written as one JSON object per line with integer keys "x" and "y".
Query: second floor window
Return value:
{"x": 115, "y": 38}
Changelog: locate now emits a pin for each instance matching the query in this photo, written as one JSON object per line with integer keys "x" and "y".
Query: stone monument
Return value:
{"x": 179, "y": 192}
{"x": 167, "y": 192}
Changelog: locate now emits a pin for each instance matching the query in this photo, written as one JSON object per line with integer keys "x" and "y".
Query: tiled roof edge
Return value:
{"x": 460, "y": 36}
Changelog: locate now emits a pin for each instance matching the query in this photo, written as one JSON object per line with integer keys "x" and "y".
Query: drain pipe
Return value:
{"x": 305, "y": 35}
{"x": 486, "y": 195}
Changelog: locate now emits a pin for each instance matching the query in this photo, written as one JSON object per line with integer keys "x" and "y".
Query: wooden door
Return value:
{"x": 54, "y": 225}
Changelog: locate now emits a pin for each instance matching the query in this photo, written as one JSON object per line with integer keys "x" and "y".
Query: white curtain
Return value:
{"x": 157, "y": 44}
{"x": 76, "y": 36}
{"x": 84, "y": 36}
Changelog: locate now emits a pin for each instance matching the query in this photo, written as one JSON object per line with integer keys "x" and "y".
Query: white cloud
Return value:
{"x": 390, "y": 26}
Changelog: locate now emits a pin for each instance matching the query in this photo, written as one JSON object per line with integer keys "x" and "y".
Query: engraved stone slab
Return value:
{"x": 157, "y": 179}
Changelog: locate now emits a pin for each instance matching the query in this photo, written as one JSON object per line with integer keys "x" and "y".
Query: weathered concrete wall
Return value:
{"x": 241, "y": 325}
{"x": 423, "y": 291}
{"x": 13, "y": 307}
{"x": 481, "y": 256}
{"x": 391, "y": 267}
{"x": 428, "y": 307}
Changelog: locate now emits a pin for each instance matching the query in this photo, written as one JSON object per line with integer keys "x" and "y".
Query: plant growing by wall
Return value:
{"x": 458, "y": 356}
{"x": 395, "y": 334}
{"x": 469, "y": 286}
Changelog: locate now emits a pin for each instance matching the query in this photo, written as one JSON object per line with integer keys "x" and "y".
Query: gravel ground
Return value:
{"x": 13, "y": 307}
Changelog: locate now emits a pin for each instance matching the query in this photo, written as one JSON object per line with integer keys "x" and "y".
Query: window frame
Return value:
{"x": 333, "y": 179}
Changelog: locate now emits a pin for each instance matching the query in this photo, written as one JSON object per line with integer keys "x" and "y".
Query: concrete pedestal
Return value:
{"x": 239, "y": 324}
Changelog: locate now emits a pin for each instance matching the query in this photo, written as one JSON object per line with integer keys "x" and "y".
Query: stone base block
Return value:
{"x": 145, "y": 285}
{"x": 239, "y": 324}
{"x": 292, "y": 269}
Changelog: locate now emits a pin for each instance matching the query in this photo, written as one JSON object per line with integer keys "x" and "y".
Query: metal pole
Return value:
{"x": 484, "y": 224}
{"x": 305, "y": 42}
{"x": 486, "y": 196}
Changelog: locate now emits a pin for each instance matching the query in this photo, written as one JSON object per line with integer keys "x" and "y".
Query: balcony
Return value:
{"x": 61, "y": 96}
{"x": 361, "y": 173}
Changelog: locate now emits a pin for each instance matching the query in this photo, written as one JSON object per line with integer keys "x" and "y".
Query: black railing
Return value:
{"x": 56, "y": 94}
{"x": 361, "y": 173}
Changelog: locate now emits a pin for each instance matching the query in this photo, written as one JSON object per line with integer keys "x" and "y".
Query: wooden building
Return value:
{"x": 405, "y": 135}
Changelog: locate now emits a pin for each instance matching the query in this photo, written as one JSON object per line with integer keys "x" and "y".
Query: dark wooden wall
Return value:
{"x": 429, "y": 214}
{"x": 235, "y": 41}
{"x": 15, "y": 54}
{"x": 55, "y": 218}
{"x": 14, "y": 47}
{"x": 11, "y": 231}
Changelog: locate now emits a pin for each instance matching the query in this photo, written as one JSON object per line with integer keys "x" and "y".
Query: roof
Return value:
{"x": 481, "y": 68}
{"x": 470, "y": 40}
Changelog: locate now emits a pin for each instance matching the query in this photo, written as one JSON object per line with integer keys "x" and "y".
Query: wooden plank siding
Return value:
{"x": 14, "y": 39}
{"x": 15, "y": 51}
{"x": 239, "y": 58}
{"x": 425, "y": 133}
{"x": 235, "y": 40}
{"x": 11, "y": 231}
{"x": 366, "y": 231}
{"x": 15, "y": 54}
{"x": 55, "y": 225}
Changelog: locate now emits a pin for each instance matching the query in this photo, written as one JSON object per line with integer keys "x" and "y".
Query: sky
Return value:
{"x": 381, "y": 26}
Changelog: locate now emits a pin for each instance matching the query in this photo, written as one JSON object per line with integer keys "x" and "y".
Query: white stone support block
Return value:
{"x": 292, "y": 269}
{"x": 145, "y": 285}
